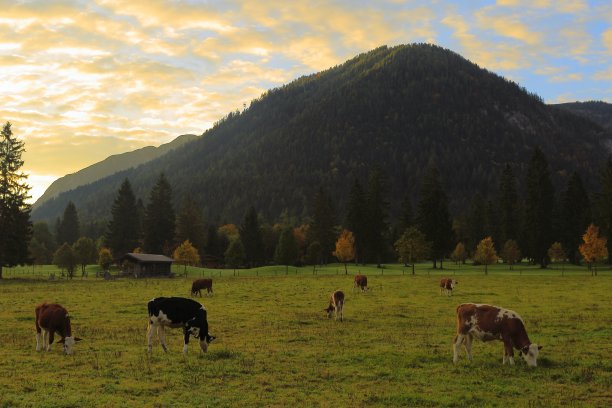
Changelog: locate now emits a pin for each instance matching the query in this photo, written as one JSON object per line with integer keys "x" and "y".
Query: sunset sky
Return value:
{"x": 82, "y": 80}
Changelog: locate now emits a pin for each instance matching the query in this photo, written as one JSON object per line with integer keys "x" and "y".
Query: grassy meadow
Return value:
{"x": 275, "y": 346}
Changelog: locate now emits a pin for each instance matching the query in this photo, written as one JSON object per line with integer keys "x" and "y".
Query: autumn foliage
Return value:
{"x": 345, "y": 248}
{"x": 594, "y": 248}
{"x": 485, "y": 253}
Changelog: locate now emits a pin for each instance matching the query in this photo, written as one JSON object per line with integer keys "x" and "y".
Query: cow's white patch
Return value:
{"x": 184, "y": 349}
{"x": 508, "y": 314}
{"x": 195, "y": 331}
{"x": 531, "y": 357}
{"x": 68, "y": 345}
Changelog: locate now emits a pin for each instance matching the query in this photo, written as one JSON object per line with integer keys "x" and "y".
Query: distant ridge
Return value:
{"x": 401, "y": 109}
{"x": 597, "y": 111}
{"x": 109, "y": 166}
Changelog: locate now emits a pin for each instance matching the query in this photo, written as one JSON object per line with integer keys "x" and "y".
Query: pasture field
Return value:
{"x": 275, "y": 347}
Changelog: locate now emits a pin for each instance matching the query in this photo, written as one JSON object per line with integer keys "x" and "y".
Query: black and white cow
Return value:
{"x": 177, "y": 312}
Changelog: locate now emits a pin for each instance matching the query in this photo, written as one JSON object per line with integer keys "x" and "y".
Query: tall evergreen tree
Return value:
{"x": 575, "y": 216}
{"x": 538, "y": 209}
{"x": 159, "y": 225}
{"x": 323, "y": 225}
{"x": 476, "y": 222}
{"x": 190, "y": 225}
{"x": 69, "y": 228}
{"x": 15, "y": 224}
{"x": 124, "y": 227}
{"x": 287, "y": 249}
{"x": 508, "y": 205}
{"x": 433, "y": 218}
{"x": 377, "y": 208}
{"x": 252, "y": 241}
{"x": 355, "y": 220}
{"x": 605, "y": 206}
{"x": 406, "y": 218}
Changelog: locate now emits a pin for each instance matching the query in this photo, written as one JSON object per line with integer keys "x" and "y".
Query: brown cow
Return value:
{"x": 447, "y": 285}
{"x": 51, "y": 318}
{"x": 200, "y": 284}
{"x": 361, "y": 282}
{"x": 336, "y": 305}
{"x": 486, "y": 323}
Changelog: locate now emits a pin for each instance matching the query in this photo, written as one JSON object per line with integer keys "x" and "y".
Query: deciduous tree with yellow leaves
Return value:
{"x": 594, "y": 248}
{"x": 485, "y": 253}
{"x": 186, "y": 254}
{"x": 345, "y": 248}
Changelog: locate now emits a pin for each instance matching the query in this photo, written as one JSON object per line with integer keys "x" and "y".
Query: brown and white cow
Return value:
{"x": 52, "y": 318}
{"x": 447, "y": 285}
{"x": 486, "y": 323}
{"x": 361, "y": 282}
{"x": 336, "y": 305}
{"x": 199, "y": 284}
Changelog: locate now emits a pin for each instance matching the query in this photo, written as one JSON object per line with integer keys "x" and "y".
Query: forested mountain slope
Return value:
{"x": 108, "y": 166}
{"x": 597, "y": 111}
{"x": 403, "y": 109}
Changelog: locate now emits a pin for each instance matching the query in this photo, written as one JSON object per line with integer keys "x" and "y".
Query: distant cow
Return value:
{"x": 52, "y": 318}
{"x": 486, "y": 323}
{"x": 199, "y": 284}
{"x": 447, "y": 285}
{"x": 361, "y": 282}
{"x": 336, "y": 305}
{"x": 177, "y": 312}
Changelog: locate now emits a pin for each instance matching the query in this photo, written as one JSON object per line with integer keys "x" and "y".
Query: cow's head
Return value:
{"x": 530, "y": 354}
{"x": 68, "y": 343}
{"x": 330, "y": 311}
{"x": 453, "y": 283}
{"x": 205, "y": 341}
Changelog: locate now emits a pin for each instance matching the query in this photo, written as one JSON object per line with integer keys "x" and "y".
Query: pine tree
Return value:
{"x": 377, "y": 208}
{"x": 124, "y": 228}
{"x": 287, "y": 249}
{"x": 476, "y": 222}
{"x": 433, "y": 217}
{"x": 508, "y": 206}
{"x": 252, "y": 241}
{"x": 323, "y": 225}
{"x": 15, "y": 224}
{"x": 69, "y": 229}
{"x": 605, "y": 206}
{"x": 538, "y": 209}
{"x": 406, "y": 218}
{"x": 575, "y": 216}
{"x": 190, "y": 225}
{"x": 355, "y": 216}
{"x": 159, "y": 219}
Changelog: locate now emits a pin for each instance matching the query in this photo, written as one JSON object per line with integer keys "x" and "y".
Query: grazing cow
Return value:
{"x": 486, "y": 323}
{"x": 336, "y": 305}
{"x": 361, "y": 282}
{"x": 447, "y": 285}
{"x": 52, "y": 318}
{"x": 199, "y": 284}
{"x": 177, "y": 312}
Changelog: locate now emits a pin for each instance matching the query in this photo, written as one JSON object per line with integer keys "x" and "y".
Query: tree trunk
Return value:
{"x": 434, "y": 263}
{"x": 413, "y": 268}
{"x": 345, "y": 270}
{"x": 486, "y": 268}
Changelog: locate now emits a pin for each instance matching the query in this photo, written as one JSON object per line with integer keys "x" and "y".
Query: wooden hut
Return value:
{"x": 146, "y": 265}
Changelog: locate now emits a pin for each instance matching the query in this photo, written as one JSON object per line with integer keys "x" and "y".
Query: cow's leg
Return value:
{"x": 468, "y": 346}
{"x": 508, "y": 351}
{"x": 45, "y": 340}
{"x": 38, "y": 339}
{"x": 186, "y": 342}
{"x": 457, "y": 347}
{"x": 341, "y": 310}
{"x": 162, "y": 337}
{"x": 50, "y": 334}
{"x": 150, "y": 331}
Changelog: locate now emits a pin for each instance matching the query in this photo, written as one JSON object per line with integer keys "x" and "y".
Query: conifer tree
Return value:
{"x": 159, "y": 226}
{"x": 605, "y": 205}
{"x": 15, "y": 224}
{"x": 190, "y": 224}
{"x": 69, "y": 229}
{"x": 323, "y": 225}
{"x": 508, "y": 206}
{"x": 433, "y": 218}
{"x": 287, "y": 249}
{"x": 575, "y": 216}
{"x": 124, "y": 228}
{"x": 252, "y": 241}
{"x": 377, "y": 208}
{"x": 406, "y": 218}
{"x": 355, "y": 217}
{"x": 538, "y": 209}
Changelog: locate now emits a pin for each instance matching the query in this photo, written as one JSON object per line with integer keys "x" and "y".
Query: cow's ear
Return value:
{"x": 77, "y": 339}
{"x": 540, "y": 347}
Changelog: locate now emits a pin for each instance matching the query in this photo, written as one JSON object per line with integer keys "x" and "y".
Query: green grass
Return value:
{"x": 275, "y": 347}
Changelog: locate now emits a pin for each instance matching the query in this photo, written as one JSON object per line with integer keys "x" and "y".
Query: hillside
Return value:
{"x": 597, "y": 111}
{"x": 108, "y": 166}
{"x": 402, "y": 108}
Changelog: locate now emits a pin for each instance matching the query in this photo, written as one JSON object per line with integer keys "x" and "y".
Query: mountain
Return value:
{"x": 400, "y": 109}
{"x": 597, "y": 111}
{"x": 108, "y": 166}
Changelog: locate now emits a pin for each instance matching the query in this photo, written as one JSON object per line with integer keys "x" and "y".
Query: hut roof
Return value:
{"x": 147, "y": 258}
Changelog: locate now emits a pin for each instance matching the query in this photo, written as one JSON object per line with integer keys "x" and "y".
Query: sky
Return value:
{"x": 83, "y": 80}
